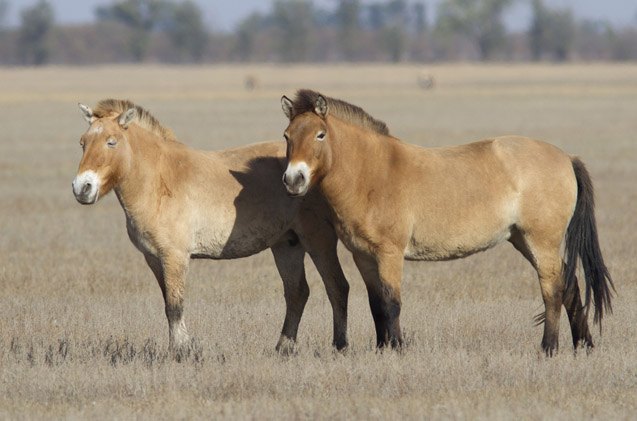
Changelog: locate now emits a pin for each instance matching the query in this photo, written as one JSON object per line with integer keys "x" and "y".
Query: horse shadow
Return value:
{"x": 263, "y": 209}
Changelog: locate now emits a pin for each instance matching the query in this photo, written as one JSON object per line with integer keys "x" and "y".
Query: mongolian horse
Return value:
{"x": 182, "y": 203}
{"x": 393, "y": 201}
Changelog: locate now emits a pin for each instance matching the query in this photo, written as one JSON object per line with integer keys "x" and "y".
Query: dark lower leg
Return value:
{"x": 577, "y": 317}
{"x": 337, "y": 289}
{"x": 295, "y": 304}
{"x": 376, "y": 305}
{"x": 339, "y": 312}
{"x": 289, "y": 262}
{"x": 393, "y": 323}
{"x": 386, "y": 313}
{"x": 550, "y": 340}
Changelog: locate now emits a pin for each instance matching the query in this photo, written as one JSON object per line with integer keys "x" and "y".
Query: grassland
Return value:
{"x": 82, "y": 330}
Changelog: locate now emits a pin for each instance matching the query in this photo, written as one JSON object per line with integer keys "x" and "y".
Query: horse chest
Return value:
{"x": 354, "y": 236}
{"x": 140, "y": 237}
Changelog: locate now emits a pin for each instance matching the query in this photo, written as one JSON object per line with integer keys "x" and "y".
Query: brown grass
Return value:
{"x": 82, "y": 330}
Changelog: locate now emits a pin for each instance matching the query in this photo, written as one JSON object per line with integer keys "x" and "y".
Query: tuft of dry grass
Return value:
{"x": 82, "y": 329}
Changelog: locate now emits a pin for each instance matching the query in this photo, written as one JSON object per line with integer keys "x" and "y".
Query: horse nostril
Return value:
{"x": 86, "y": 189}
{"x": 285, "y": 178}
{"x": 301, "y": 176}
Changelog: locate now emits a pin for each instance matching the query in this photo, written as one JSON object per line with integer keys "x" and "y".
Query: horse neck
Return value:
{"x": 137, "y": 185}
{"x": 353, "y": 162}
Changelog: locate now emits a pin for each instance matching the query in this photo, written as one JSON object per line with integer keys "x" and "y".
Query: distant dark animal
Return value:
{"x": 426, "y": 81}
{"x": 251, "y": 83}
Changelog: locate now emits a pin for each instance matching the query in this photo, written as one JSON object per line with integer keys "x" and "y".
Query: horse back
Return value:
{"x": 470, "y": 197}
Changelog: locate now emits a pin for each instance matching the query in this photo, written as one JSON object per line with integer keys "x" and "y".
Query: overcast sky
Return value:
{"x": 224, "y": 14}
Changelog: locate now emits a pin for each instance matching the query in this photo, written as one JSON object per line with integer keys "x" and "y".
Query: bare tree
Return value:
{"x": 247, "y": 32}
{"x": 141, "y": 16}
{"x": 420, "y": 18}
{"x": 295, "y": 21}
{"x": 552, "y": 32}
{"x": 479, "y": 20}
{"x": 393, "y": 36}
{"x": 347, "y": 15}
{"x": 33, "y": 38}
{"x": 4, "y": 9}
{"x": 186, "y": 29}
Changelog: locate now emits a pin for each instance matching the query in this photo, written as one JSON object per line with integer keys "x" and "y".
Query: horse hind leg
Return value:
{"x": 549, "y": 271}
{"x": 571, "y": 299}
{"x": 289, "y": 259}
{"x": 577, "y": 316}
{"x": 544, "y": 255}
{"x": 321, "y": 247}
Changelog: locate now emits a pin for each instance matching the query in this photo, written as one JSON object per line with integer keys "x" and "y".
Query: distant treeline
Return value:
{"x": 298, "y": 31}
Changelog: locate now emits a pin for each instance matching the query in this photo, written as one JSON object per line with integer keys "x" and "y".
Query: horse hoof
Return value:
{"x": 286, "y": 347}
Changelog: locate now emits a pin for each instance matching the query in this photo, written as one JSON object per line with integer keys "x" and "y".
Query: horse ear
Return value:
{"x": 126, "y": 117}
{"x": 320, "y": 106}
{"x": 87, "y": 113}
{"x": 288, "y": 107}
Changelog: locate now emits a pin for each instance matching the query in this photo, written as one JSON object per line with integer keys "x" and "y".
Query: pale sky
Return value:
{"x": 224, "y": 14}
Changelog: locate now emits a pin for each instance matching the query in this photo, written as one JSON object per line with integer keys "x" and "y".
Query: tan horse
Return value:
{"x": 182, "y": 203}
{"x": 395, "y": 201}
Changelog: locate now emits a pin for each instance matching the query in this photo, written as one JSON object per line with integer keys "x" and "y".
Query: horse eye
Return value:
{"x": 286, "y": 137}
{"x": 320, "y": 136}
{"x": 111, "y": 143}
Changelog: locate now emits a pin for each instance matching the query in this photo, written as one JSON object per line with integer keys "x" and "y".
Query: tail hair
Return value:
{"x": 582, "y": 242}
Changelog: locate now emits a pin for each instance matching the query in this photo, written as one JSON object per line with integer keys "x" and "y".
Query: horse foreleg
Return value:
{"x": 170, "y": 272}
{"x": 289, "y": 260}
{"x": 390, "y": 269}
{"x": 382, "y": 276}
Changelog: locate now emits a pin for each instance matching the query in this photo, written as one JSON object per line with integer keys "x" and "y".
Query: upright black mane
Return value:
{"x": 143, "y": 117}
{"x": 306, "y": 99}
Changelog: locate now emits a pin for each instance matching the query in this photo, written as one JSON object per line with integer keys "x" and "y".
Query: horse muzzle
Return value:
{"x": 86, "y": 187}
{"x": 296, "y": 179}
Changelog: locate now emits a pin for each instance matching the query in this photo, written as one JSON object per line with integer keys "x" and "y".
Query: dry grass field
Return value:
{"x": 82, "y": 327}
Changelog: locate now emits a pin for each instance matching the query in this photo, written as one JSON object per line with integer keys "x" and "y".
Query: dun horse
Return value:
{"x": 182, "y": 203}
{"x": 393, "y": 201}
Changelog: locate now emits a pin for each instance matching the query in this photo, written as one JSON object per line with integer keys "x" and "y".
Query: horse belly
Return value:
{"x": 229, "y": 246}
{"x": 237, "y": 239}
{"x": 453, "y": 247}
{"x": 209, "y": 242}
{"x": 461, "y": 237}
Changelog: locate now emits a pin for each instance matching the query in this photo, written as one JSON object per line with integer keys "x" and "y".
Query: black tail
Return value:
{"x": 582, "y": 241}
